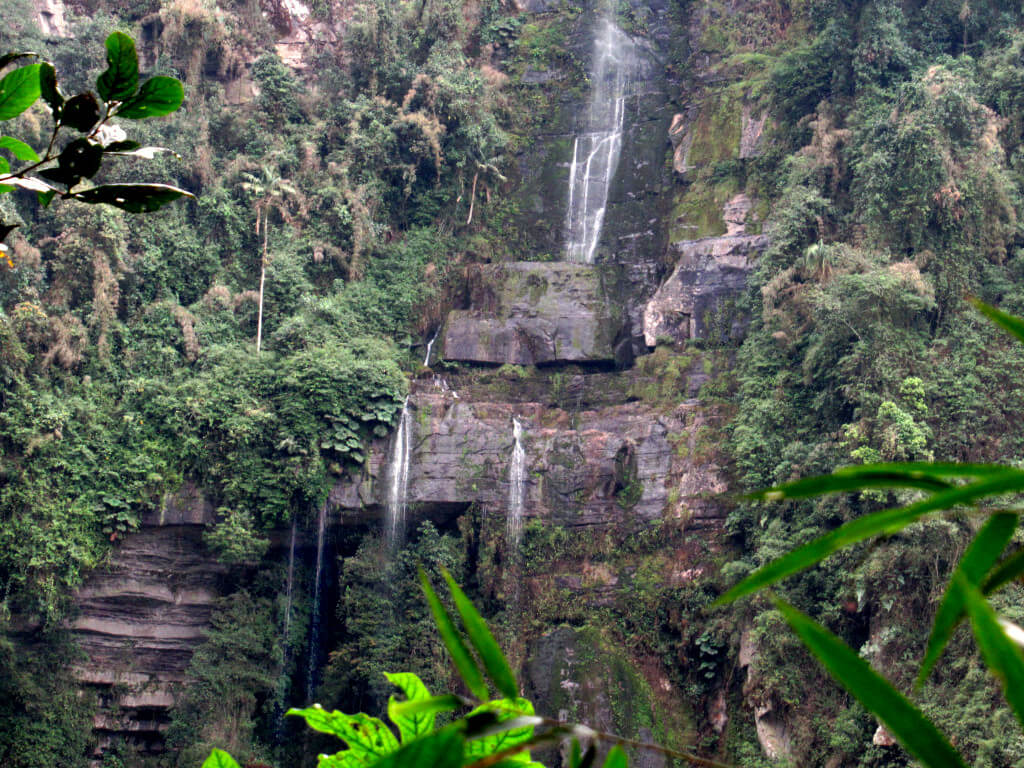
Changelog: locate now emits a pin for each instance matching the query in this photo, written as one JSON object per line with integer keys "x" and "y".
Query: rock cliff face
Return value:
{"x": 601, "y": 454}
{"x": 140, "y": 618}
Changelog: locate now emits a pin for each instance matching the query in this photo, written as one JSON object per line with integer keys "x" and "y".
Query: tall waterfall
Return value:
{"x": 315, "y": 622}
{"x": 516, "y": 487}
{"x": 595, "y": 152}
{"x": 398, "y": 472}
{"x": 430, "y": 346}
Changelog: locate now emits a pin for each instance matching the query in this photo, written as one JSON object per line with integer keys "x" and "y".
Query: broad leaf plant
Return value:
{"x": 84, "y": 133}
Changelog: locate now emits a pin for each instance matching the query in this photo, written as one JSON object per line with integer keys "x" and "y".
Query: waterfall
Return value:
{"x": 289, "y": 586}
{"x": 430, "y": 346}
{"x": 315, "y": 623}
{"x": 516, "y": 487}
{"x": 596, "y": 149}
{"x": 398, "y": 471}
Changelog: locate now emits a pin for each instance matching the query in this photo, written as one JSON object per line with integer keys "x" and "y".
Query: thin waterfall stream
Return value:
{"x": 430, "y": 346}
{"x": 516, "y": 487}
{"x": 596, "y": 149}
{"x": 315, "y": 622}
{"x": 398, "y": 471}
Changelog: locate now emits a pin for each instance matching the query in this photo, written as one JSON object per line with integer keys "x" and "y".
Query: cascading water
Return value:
{"x": 315, "y": 622}
{"x": 516, "y": 487}
{"x": 430, "y": 346}
{"x": 398, "y": 471}
{"x": 595, "y": 152}
{"x": 289, "y": 588}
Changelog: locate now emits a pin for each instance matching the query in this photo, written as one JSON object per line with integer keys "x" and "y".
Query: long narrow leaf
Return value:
{"x": 1010, "y": 323}
{"x": 483, "y": 641}
{"x": 885, "y": 522}
{"x": 902, "y": 719}
{"x": 1001, "y": 654}
{"x": 461, "y": 657}
{"x": 1009, "y": 570}
{"x": 616, "y": 758}
{"x": 924, "y": 475}
{"x": 979, "y": 558}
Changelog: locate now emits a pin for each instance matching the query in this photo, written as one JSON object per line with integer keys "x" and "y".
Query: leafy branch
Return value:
{"x": 62, "y": 167}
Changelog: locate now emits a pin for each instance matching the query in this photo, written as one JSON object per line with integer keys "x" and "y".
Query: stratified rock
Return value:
{"x": 139, "y": 619}
{"x": 588, "y": 468}
{"x": 531, "y": 312}
{"x": 694, "y": 303}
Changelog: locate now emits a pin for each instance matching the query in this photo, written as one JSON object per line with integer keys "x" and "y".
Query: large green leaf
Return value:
{"x": 464, "y": 663}
{"x": 979, "y": 558}
{"x": 483, "y": 641}
{"x": 1010, "y": 323}
{"x": 902, "y": 719}
{"x": 81, "y": 112}
{"x": 220, "y": 759}
{"x": 1001, "y": 654}
{"x": 885, "y": 522}
{"x": 134, "y": 198}
{"x": 437, "y": 750}
{"x": 411, "y": 725}
{"x": 513, "y": 726}
{"x": 158, "y": 96}
{"x": 48, "y": 88}
{"x": 13, "y": 56}
{"x": 19, "y": 149}
{"x": 367, "y": 737}
{"x": 1009, "y": 570}
{"x": 19, "y": 90}
{"x": 927, "y": 476}
{"x": 616, "y": 758}
{"x": 121, "y": 78}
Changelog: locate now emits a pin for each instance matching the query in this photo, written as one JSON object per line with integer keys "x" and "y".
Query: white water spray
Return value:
{"x": 596, "y": 150}
{"x": 398, "y": 472}
{"x": 516, "y": 487}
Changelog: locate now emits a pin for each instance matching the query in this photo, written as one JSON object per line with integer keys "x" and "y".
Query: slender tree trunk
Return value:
{"x": 263, "y": 279}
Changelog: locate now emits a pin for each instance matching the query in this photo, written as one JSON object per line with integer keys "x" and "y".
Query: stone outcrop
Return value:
{"x": 51, "y": 18}
{"x": 587, "y": 468}
{"x": 139, "y": 619}
{"x": 695, "y": 302}
{"x": 526, "y": 313}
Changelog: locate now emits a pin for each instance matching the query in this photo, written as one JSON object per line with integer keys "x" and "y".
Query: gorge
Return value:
{"x": 551, "y": 285}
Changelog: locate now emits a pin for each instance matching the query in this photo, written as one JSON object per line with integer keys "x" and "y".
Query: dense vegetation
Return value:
{"x": 891, "y": 187}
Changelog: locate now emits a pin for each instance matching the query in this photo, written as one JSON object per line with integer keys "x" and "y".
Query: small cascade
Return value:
{"x": 430, "y": 346}
{"x": 398, "y": 472}
{"x": 596, "y": 150}
{"x": 516, "y": 487}
{"x": 289, "y": 588}
{"x": 315, "y": 621}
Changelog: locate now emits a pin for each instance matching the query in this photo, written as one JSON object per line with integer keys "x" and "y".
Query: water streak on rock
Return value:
{"x": 315, "y": 622}
{"x": 516, "y": 487}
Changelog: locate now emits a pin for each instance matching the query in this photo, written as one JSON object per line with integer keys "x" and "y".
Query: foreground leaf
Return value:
{"x": 437, "y": 750}
{"x": 48, "y": 88}
{"x": 901, "y": 718}
{"x": 1001, "y": 654}
{"x": 220, "y": 759}
{"x": 121, "y": 77}
{"x": 616, "y": 758}
{"x": 411, "y": 724}
{"x": 885, "y": 522}
{"x": 134, "y": 198}
{"x": 513, "y": 726}
{"x": 19, "y": 149}
{"x": 1009, "y": 570}
{"x": 468, "y": 669}
{"x": 1010, "y": 323}
{"x": 483, "y": 641}
{"x": 924, "y": 475}
{"x": 18, "y": 91}
{"x": 364, "y": 735}
{"x": 158, "y": 96}
{"x": 81, "y": 112}
{"x": 978, "y": 560}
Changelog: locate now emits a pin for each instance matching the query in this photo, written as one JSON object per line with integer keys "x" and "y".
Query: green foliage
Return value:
{"x": 82, "y": 158}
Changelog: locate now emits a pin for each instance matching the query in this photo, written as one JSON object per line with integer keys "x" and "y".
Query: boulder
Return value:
{"x": 526, "y": 313}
